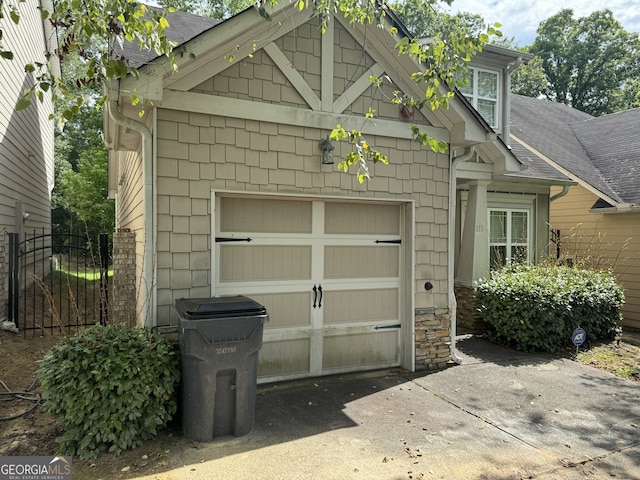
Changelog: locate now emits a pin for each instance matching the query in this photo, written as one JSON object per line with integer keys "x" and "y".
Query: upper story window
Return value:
{"x": 483, "y": 93}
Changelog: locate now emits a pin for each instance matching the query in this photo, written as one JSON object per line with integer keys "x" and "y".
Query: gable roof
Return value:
{"x": 201, "y": 42}
{"x": 598, "y": 152}
{"x": 613, "y": 145}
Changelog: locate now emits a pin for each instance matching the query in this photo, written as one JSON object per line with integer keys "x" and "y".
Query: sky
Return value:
{"x": 520, "y": 18}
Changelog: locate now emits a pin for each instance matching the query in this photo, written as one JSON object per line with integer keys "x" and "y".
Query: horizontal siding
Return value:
{"x": 130, "y": 204}
{"x": 26, "y": 137}
{"x": 602, "y": 241}
{"x": 129, "y": 214}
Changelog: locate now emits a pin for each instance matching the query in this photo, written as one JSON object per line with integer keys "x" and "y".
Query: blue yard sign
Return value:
{"x": 579, "y": 336}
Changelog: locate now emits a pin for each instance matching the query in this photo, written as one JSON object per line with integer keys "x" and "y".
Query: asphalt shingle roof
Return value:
{"x": 536, "y": 167}
{"x": 613, "y": 145}
{"x": 601, "y": 151}
{"x": 182, "y": 28}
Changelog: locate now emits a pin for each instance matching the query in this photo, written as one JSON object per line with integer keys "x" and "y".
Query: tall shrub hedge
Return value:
{"x": 110, "y": 387}
{"x": 536, "y": 308}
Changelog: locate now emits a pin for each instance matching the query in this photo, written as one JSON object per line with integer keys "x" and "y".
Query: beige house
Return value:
{"x": 599, "y": 218}
{"x": 223, "y": 184}
{"x": 26, "y": 136}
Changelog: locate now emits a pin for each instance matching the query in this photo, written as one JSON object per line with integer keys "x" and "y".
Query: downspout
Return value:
{"x": 565, "y": 190}
{"x": 506, "y": 96}
{"x": 453, "y": 304}
{"x": 148, "y": 267}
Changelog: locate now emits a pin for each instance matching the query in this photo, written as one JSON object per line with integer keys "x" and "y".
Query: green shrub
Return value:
{"x": 536, "y": 308}
{"x": 110, "y": 387}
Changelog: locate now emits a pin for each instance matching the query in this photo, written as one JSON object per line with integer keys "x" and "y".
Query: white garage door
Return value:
{"x": 328, "y": 273}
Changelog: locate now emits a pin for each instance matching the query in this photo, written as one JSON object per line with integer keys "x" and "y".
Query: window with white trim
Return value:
{"x": 482, "y": 92}
{"x": 509, "y": 234}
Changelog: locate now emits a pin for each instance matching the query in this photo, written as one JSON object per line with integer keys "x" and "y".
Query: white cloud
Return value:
{"x": 521, "y": 19}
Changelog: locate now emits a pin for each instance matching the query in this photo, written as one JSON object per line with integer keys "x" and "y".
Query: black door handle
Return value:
{"x": 320, "y": 290}
{"x": 397, "y": 325}
{"x": 231, "y": 239}
{"x": 315, "y": 295}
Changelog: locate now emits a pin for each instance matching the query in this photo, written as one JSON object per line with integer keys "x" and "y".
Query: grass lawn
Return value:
{"x": 622, "y": 360}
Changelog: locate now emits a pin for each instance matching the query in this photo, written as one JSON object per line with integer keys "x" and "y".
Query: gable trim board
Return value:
{"x": 298, "y": 82}
{"x": 245, "y": 109}
{"x": 237, "y": 37}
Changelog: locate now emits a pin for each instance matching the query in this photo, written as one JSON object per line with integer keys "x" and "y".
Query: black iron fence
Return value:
{"x": 58, "y": 283}
{"x": 555, "y": 240}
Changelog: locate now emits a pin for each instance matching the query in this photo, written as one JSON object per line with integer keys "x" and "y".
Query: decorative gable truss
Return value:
{"x": 300, "y": 76}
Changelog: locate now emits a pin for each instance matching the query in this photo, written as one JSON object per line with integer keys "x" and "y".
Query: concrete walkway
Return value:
{"x": 500, "y": 415}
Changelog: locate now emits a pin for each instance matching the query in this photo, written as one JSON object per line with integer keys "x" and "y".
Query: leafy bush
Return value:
{"x": 110, "y": 387}
{"x": 536, "y": 308}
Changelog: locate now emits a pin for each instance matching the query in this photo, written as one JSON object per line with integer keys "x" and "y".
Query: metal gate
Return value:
{"x": 57, "y": 283}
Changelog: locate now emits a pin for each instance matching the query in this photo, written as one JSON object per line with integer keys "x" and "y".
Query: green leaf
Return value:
{"x": 110, "y": 408}
{"x": 6, "y": 55}
{"x": 263, "y": 13}
{"x": 23, "y": 103}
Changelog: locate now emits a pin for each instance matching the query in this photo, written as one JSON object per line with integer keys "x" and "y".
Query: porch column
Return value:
{"x": 123, "y": 301}
{"x": 473, "y": 263}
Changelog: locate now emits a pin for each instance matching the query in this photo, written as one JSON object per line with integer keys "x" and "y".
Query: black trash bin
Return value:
{"x": 220, "y": 338}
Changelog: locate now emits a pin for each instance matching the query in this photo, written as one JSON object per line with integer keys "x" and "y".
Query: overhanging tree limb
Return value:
{"x": 90, "y": 29}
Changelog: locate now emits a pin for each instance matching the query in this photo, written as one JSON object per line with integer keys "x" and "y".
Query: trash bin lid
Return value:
{"x": 218, "y": 307}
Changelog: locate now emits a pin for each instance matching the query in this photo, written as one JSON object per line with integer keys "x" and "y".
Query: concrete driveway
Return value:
{"x": 500, "y": 415}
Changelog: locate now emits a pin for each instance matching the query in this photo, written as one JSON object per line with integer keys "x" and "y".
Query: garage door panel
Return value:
{"x": 361, "y": 219}
{"x": 370, "y": 350}
{"x": 328, "y": 273}
{"x": 251, "y": 263}
{"x": 342, "y": 262}
{"x": 356, "y": 306}
{"x": 288, "y": 357}
{"x": 263, "y": 215}
{"x": 286, "y": 310}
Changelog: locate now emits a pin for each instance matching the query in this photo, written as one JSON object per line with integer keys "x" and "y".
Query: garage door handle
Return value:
{"x": 320, "y": 290}
{"x": 231, "y": 239}
{"x": 384, "y": 327}
{"x": 315, "y": 295}
{"x": 398, "y": 242}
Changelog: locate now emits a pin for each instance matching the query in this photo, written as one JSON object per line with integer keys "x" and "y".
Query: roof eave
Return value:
{"x": 514, "y": 55}
{"x": 515, "y": 178}
{"x": 619, "y": 208}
